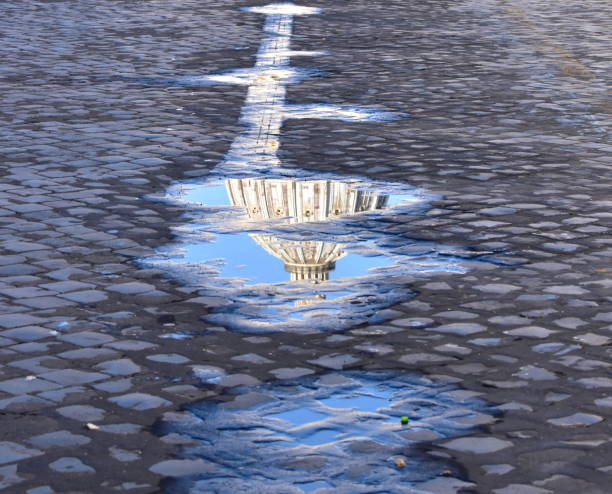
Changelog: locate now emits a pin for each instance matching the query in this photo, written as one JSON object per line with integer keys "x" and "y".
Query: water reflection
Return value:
{"x": 301, "y": 202}
{"x": 301, "y": 253}
{"x": 341, "y": 431}
{"x": 289, "y": 249}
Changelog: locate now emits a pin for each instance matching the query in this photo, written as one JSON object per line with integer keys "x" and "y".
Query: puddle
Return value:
{"x": 313, "y": 486}
{"x": 298, "y": 416}
{"x": 339, "y": 433}
{"x": 302, "y": 253}
{"x": 289, "y": 249}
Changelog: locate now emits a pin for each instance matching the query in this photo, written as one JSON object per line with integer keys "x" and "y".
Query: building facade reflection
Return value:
{"x": 294, "y": 202}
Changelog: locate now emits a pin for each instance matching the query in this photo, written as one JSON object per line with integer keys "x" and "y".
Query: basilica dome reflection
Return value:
{"x": 293, "y": 202}
{"x": 328, "y": 254}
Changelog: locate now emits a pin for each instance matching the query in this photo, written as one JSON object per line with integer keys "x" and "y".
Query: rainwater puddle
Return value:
{"x": 312, "y": 252}
{"x": 338, "y": 433}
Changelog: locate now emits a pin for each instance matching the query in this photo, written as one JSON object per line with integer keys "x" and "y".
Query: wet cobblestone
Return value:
{"x": 509, "y": 122}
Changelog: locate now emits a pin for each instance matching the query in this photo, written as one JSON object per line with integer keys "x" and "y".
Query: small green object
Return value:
{"x": 405, "y": 420}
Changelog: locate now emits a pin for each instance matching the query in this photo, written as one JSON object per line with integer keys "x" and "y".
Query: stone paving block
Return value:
{"x": 70, "y": 377}
{"x": 252, "y": 358}
{"x": 123, "y": 455}
{"x": 117, "y": 386}
{"x": 522, "y": 489}
{"x": 45, "y": 302}
{"x": 335, "y": 361}
{"x": 121, "y": 429}
{"x": 70, "y": 464}
{"x": 29, "y": 333}
{"x": 82, "y": 413}
{"x": 66, "y": 273}
{"x": 498, "y": 469}
{"x": 19, "y": 269}
{"x": 89, "y": 353}
{"x": 477, "y": 445}
{"x": 291, "y": 373}
{"x": 531, "y": 332}
{"x": 11, "y": 259}
{"x": 414, "y": 358}
{"x": 66, "y": 286}
{"x": 497, "y": 288}
{"x": 182, "y": 468}
{"x": 9, "y": 476}
{"x": 26, "y": 292}
{"x": 15, "y": 320}
{"x": 62, "y": 395}
{"x": 38, "y": 365}
{"x": 173, "y": 358}
{"x": 24, "y": 403}
{"x": 17, "y": 246}
{"x": 534, "y": 373}
{"x": 131, "y": 288}
{"x": 43, "y": 489}
{"x": 459, "y": 328}
{"x": 603, "y": 317}
{"x": 576, "y": 419}
{"x": 6, "y": 341}
{"x": 120, "y": 367}
{"x": 23, "y": 385}
{"x": 595, "y": 382}
{"x": 140, "y": 401}
{"x": 10, "y": 452}
{"x": 443, "y": 485}
{"x": 131, "y": 345}
{"x": 86, "y": 338}
{"x": 58, "y": 439}
{"x": 86, "y": 296}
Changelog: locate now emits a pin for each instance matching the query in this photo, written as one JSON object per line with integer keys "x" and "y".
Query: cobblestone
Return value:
{"x": 508, "y": 126}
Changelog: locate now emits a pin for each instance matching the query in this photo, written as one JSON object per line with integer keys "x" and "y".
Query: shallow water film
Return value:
{"x": 341, "y": 432}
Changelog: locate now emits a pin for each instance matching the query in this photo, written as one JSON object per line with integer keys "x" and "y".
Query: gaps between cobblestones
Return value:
{"x": 502, "y": 137}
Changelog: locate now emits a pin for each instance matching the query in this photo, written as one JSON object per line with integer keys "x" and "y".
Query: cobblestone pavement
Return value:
{"x": 509, "y": 114}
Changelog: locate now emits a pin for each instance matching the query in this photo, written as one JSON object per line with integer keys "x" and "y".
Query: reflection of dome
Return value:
{"x": 308, "y": 260}
{"x": 301, "y": 201}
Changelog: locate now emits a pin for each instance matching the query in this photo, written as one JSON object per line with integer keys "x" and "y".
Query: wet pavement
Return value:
{"x": 503, "y": 136}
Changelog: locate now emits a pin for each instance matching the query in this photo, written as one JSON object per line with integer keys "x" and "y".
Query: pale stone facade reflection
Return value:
{"x": 294, "y": 201}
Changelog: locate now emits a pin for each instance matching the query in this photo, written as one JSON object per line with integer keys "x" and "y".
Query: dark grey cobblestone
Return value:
{"x": 509, "y": 124}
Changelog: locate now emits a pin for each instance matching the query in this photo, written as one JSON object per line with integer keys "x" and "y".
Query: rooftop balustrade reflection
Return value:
{"x": 302, "y": 252}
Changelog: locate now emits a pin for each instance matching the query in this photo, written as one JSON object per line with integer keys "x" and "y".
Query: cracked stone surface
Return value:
{"x": 509, "y": 126}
